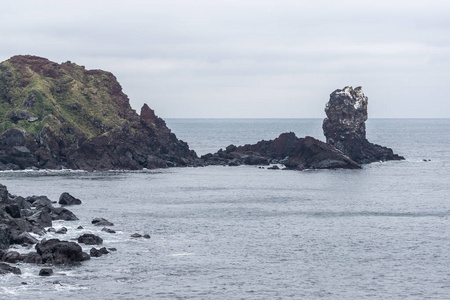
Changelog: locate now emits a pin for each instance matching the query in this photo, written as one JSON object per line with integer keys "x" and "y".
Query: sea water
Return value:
{"x": 381, "y": 232}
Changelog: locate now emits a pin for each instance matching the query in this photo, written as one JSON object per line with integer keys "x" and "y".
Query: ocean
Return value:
{"x": 381, "y": 232}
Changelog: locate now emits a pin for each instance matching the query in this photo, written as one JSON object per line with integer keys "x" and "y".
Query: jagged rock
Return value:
{"x": 5, "y": 236}
{"x": 5, "y": 269}
{"x": 61, "y": 213}
{"x": 67, "y": 199}
{"x": 42, "y": 218}
{"x": 295, "y": 153}
{"x": 345, "y": 129}
{"x": 54, "y": 251}
{"x": 98, "y": 252}
{"x": 102, "y": 222}
{"x": 90, "y": 239}
{"x": 26, "y": 238}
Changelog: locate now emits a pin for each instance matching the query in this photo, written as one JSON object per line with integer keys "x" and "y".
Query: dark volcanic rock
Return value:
{"x": 296, "y": 153}
{"x": 75, "y": 118}
{"x": 101, "y": 222}
{"x": 61, "y": 213}
{"x": 98, "y": 252}
{"x": 5, "y": 269}
{"x": 12, "y": 257}
{"x": 54, "y": 251}
{"x": 90, "y": 239}
{"x": 46, "y": 272}
{"x": 67, "y": 199}
{"x": 345, "y": 129}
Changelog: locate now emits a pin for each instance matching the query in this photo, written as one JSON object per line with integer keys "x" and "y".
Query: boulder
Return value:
{"x": 90, "y": 239}
{"x": 32, "y": 258}
{"x": 108, "y": 230}
{"x": 67, "y": 199}
{"x": 62, "y": 230}
{"x": 12, "y": 257}
{"x": 61, "y": 213}
{"x": 46, "y": 272}
{"x": 345, "y": 128}
{"x": 41, "y": 217}
{"x": 26, "y": 238}
{"x": 54, "y": 251}
{"x": 101, "y": 222}
{"x": 5, "y": 269}
{"x": 98, "y": 252}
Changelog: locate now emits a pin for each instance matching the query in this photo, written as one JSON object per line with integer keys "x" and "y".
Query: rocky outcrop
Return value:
{"x": 57, "y": 116}
{"x": 345, "y": 128}
{"x": 295, "y": 153}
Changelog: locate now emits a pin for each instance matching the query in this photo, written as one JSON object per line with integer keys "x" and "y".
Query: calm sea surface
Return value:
{"x": 382, "y": 232}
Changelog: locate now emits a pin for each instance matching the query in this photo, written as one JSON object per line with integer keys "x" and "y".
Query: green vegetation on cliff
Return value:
{"x": 63, "y": 116}
{"x": 67, "y": 99}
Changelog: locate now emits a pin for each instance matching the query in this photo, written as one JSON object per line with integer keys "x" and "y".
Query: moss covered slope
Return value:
{"x": 60, "y": 107}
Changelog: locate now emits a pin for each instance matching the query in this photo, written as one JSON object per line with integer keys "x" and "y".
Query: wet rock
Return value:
{"x": 102, "y": 222}
{"x": 67, "y": 199}
{"x": 51, "y": 229}
{"x": 136, "y": 235}
{"x": 5, "y": 236}
{"x": 112, "y": 249}
{"x": 80, "y": 227}
{"x": 62, "y": 230}
{"x": 5, "y": 269}
{"x": 146, "y": 236}
{"x": 26, "y": 238}
{"x": 12, "y": 257}
{"x": 108, "y": 230}
{"x": 46, "y": 272}
{"x": 345, "y": 128}
{"x": 41, "y": 217}
{"x": 54, "y": 251}
{"x": 90, "y": 239}
{"x": 32, "y": 258}
{"x": 98, "y": 252}
{"x": 61, "y": 213}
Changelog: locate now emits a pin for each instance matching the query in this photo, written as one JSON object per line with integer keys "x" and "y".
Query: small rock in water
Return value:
{"x": 24, "y": 283}
{"x": 62, "y": 230}
{"x": 90, "y": 239}
{"x": 98, "y": 252}
{"x": 80, "y": 227}
{"x": 57, "y": 282}
{"x": 108, "y": 230}
{"x": 46, "y": 272}
{"x": 112, "y": 249}
{"x": 51, "y": 229}
{"x": 136, "y": 235}
{"x": 101, "y": 222}
{"x": 146, "y": 236}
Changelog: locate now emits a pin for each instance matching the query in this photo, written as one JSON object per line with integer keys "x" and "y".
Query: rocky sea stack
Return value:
{"x": 55, "y": 116}
{"x": 345, "y": 128}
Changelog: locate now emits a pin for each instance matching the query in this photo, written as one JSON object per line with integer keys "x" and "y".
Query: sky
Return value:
{"x": 248, "y": 58}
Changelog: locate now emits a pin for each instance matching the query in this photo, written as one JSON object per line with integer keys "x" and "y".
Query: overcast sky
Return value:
{"x": 248, "y": 59}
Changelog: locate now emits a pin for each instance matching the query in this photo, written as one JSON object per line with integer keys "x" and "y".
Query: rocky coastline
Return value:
{"x": 25, "y": 222}
{"x": 62, "y": 116}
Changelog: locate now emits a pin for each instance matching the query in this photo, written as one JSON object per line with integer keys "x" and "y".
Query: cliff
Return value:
{"x": 56, "y": 116}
